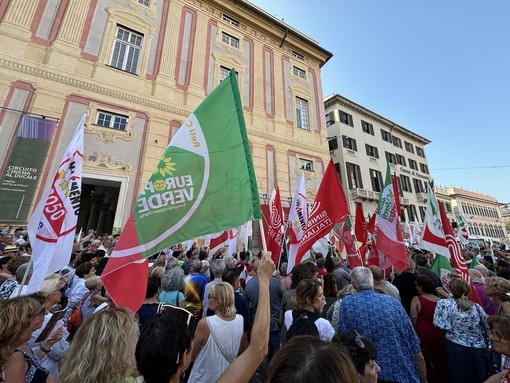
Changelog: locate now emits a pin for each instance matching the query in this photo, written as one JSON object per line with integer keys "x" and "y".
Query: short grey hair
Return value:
{"x": 230, "y": 261}
{"x": 217, "y": 267}
{"x": 195, "y": 265}
{"x": 20, "y": 271}
{"x": 337, "y": 261}
{"x": 362, "y": 278}
{"x": 172, "y": 262}
{"x": 173, "y": 280}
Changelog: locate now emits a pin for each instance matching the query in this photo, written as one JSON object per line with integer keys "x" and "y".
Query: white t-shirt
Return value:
{"x": 326, "y": 330}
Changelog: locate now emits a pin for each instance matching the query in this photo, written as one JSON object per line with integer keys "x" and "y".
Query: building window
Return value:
{"x": 401, "y": 160}
{"x": 229, "y": 40}
{"x": 386, "y": 136}
{"x": 147, "y": 3}
{"x": 302, "y": 113}
{"x": 412, "y": 164}
{"x": 411, "y": 212}
{"x": 298, "y": 55}
{"x": 397, "y": 142}
{"x": 377, "y": 181}
{"x": 349, "y": 143}
{"x": 306, "y": 165}
{"x": 418, "y": 186}
{"x": 409, "y": 147}
{"x": 354, "y": 176}
{"x": 420, "y": 152}
{"x": 110, "y": 120}
{"x": 333, "y": 143}
{"x": 372, "y": 151}
{"x": 406, "y": 183}
{"x": 424, "y": 168}
{"x": 346, "y": 118}
{"x": 390, "y": 157}
{"x": 447, "y": 207}
{"x": 338, "y": 170}
{"x": 299, "y": 72}
{"x": 367, "y": 127}
{"x": 126, "y": 50}
{"x": 330, "y": 118}
{"x": 422, "y": 213}
{"x": 230, "y": 20}
{"x": 399, "y": 185}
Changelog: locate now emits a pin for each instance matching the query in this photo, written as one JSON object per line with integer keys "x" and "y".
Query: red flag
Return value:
{"x": 353, "y": 258}
{"x": 456, "y": 258}
{"x": 273, "y": 230}
{"x": 388, "y": 235}
{"x": 396, "y": 192}
{"x": 360, "y": 230}
{"x": 329, "y": 208}
{"x": 371, "y": 225}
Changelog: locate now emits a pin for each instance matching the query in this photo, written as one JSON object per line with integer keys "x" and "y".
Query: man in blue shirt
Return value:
{"x": 382, "y": 320}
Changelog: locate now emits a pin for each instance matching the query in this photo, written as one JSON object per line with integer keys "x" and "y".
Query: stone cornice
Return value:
{"x": 340, "y": 100}
{"x": 76, "y": 83}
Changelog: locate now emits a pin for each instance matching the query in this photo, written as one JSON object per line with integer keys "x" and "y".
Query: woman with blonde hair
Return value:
{"x": 464, "y": 323}
{"x": 497, "y": 288}
{"x": 102, "y": 349}
{"x": 19, "y": 318}
{"x": 217, "y": 338}
{"x": 50, "y": 356}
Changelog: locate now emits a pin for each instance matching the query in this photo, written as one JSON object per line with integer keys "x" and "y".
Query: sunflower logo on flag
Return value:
{"x": 165, "y": 166}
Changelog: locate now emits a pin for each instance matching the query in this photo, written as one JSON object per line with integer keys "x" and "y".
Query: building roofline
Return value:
{"x": 338, "y": 99}
{"x": 287, "y": 29}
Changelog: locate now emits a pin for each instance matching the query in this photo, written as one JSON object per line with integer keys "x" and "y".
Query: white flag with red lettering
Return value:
{"x": 52, "y": 226}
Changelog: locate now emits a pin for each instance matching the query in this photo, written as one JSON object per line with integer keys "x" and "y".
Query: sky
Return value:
{"x": 440, "y": 69}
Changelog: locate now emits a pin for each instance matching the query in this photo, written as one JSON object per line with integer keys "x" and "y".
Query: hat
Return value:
{"x": 10, "y": 249}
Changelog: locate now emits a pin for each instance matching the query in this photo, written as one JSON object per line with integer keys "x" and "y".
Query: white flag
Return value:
{"x": 463, "y": 229}
{"x": 246, "y": 233}
{"x": 232, "y": 241}
{"x": 298, "y": 217}
{"x": 433, "y": 238}
{"x": 52, "y": 226}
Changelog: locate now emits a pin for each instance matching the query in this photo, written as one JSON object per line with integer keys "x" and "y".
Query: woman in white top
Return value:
{"x": 218, "y": 337}
{"x": 309, "y": 301}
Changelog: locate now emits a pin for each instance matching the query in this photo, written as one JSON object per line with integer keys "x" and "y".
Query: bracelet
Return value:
{"x": 46, "y": 350}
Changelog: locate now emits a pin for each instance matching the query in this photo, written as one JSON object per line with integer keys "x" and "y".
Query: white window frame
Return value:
{"x": 229, "y": 40}
{"x": 302, "y": 114}
{"x": 230, "y": 20}
{"x": 126, "y": 50}
{"x": 298, "y": 55}
{"x": 115, "y": 120}
{"x": 301, "y": 73}
{"x": 147, "y": 3}
{"x": 306, "y": 165}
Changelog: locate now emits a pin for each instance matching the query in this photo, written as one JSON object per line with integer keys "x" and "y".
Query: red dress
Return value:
{"x": 432, "y": 342}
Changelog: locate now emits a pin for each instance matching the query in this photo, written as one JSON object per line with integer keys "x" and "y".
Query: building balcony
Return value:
{"x": 422, "y": 197}
{"x": 363, "y": 195}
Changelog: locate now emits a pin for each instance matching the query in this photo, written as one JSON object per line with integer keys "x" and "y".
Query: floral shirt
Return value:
{"x": 7, "y": 288}
{"x": 462, "y": 327}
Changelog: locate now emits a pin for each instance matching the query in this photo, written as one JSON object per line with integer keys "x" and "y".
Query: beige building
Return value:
{"x": 138, "y": 68}
{"x": 482, "y": 212}
{"x": 361, "y": 142}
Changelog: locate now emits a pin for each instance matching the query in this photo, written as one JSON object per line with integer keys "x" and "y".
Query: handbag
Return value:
{"x": 493, "y": 358}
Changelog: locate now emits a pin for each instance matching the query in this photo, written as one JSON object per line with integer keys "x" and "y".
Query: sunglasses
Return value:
{"x": 358, "y": 340}
{"x": 164, "y": 307}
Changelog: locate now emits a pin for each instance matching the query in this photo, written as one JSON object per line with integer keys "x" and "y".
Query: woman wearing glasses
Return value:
{"x": 19, "y": 318}
{"x": 308, "y": 303}
{"x": 499, "y": 333}
{"x": 218, "y": 337}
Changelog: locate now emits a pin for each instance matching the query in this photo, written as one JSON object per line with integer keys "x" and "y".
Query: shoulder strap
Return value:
{"x": 216, "y": 341}
{"x": 177, "y": 299}
{"x": 84, "y": 299}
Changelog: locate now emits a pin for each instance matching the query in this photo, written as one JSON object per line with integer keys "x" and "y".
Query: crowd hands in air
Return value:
{"x": 234, "y": 318}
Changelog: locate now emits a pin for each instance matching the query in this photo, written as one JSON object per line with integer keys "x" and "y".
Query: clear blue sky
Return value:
{"x": 438, "y": 68}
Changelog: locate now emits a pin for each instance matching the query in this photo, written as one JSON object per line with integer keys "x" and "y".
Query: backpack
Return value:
{"x": 76, "y": 318}
{"x": 303, "y": 323}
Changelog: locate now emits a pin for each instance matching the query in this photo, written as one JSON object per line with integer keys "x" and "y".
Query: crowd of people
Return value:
{"x": 238, "y": 318}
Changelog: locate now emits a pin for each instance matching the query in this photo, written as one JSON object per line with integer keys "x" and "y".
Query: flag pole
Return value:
{"x": 262, "y": 234}
{"x": 356, "y": 242}
{"x": 25, "y": 276}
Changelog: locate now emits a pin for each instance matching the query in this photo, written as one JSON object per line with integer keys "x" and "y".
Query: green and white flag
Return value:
{"x": 442, "y": 267}
{"x": 204, "y": 183}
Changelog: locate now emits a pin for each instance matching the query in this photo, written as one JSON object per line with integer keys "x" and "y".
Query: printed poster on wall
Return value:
{"x": 19, "y": 181}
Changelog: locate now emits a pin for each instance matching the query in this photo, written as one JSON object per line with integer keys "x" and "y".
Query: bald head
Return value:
{"x": 376, "y": 272}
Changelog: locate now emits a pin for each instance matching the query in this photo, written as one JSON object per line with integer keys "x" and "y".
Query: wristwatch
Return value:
{"x": 46, "y": 350}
